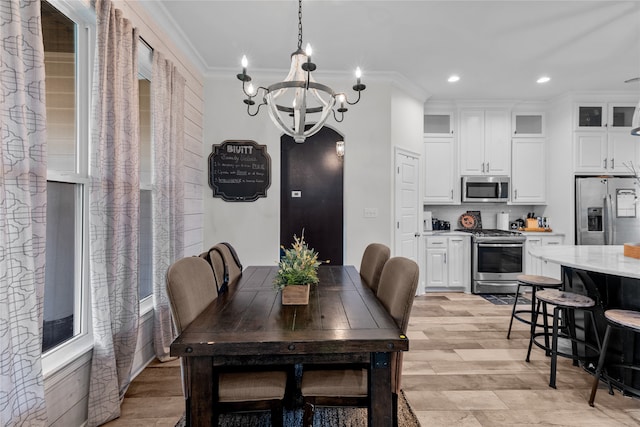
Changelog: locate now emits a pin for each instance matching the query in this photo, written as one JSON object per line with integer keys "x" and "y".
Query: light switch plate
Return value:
{"x": 370, "y": 212}
{"x": 296, "y": 193}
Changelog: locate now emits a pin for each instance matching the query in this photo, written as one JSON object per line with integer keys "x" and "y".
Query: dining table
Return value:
{"x": 344, "y": 322}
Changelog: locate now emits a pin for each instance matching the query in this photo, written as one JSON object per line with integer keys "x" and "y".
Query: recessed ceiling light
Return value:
{"x": 454, "y": 78}
{"x": 543, "y": 79}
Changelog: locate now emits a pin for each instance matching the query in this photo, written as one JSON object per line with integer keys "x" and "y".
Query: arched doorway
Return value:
{"x": 311, "y": 193}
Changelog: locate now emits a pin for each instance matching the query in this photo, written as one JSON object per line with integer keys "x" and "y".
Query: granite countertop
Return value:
{"x": 597, "y": 258}
{"x": 462, "y": 233}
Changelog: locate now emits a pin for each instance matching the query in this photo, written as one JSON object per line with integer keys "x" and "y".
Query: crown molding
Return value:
{"x": 164, "y": 20}
{"x": 160, "y": 15}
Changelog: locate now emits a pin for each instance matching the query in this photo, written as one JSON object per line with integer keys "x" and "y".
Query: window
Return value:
{"x": 145, "y": 251}
{"x": 61, "y": 269}
{"x": 68, "y": 33}
{"x": 66, "y": 297}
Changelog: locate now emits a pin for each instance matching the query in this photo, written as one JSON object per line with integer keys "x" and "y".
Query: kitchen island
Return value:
{"x": 613, "y": 281}
{"x": 603, "y": 259}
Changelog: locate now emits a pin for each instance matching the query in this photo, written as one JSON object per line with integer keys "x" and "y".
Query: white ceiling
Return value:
{"x": 499, "y": 48}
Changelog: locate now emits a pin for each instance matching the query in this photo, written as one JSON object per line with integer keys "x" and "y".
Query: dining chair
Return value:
{"x": 348, "y": 387}
{"x": 190, "y": 288}
{"x": 373, "y": 259}
{"x": 218, "y": 277}
{"x": 220, "y": 270}
{"x": 232, "y": 264}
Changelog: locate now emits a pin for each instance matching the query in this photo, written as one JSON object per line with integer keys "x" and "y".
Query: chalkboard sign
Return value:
{"x": 239, "y": 171}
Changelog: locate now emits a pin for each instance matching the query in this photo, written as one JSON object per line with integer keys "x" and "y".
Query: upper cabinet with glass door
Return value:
{"x": 599, "y": 116}
{"x": 438, "y": 124}
{"x": 603, "y": 142}
{"x": 528, "y": 125}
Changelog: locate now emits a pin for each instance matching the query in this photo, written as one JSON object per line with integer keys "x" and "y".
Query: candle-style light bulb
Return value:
{"x": 250, "y": 89}
{"x": 308, "y": 66}
{"x": 359, "y": 87}
{"x": 244, "y": 63}
{"x": 341, "y": 98}
{"x": 244, "y": 77}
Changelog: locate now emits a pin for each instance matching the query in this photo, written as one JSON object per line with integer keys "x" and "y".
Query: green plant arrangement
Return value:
{"x": 298, "y": 266}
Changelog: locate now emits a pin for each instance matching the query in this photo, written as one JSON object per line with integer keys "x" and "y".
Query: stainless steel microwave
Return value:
{"x": 485, "y": 189}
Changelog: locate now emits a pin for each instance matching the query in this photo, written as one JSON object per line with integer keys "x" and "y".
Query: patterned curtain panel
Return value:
{"x": 113, "y": 212}
{"x": 167, "y": 87}
{"x": 23, "y": 207}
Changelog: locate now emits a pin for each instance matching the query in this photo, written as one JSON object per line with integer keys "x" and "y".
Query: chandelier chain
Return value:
{"x": 299, "y": 24}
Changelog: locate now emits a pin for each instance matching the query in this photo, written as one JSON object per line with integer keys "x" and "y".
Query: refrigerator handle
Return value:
{"x": 608, "y": 220}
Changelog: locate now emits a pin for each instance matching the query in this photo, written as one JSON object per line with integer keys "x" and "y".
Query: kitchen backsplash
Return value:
{"x": 488, "y": 212}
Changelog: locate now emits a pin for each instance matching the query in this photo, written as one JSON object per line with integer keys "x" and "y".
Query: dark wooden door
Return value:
{"x": 311, "y": 194}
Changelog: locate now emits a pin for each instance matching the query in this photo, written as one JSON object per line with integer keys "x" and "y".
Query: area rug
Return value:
{"x": 501, "y": 299}
{"x": 324, "y": 417}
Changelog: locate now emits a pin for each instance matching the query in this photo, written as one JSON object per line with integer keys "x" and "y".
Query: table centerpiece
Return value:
{"x": 297, "y": 271}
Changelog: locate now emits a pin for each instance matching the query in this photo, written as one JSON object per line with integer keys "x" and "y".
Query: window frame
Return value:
{"x": 82, "y": 342}
{"x": 145, "y": 71}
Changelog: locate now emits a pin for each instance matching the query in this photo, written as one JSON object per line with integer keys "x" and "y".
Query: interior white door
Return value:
{"x": 407, "y": 202}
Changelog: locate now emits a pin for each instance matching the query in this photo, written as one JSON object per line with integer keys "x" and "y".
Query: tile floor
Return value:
{"x": 462, "y": 371}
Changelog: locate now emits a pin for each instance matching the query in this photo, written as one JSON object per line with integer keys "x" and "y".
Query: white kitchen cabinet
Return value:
{"x": 622, "y": 149}
{"x": 437, "y": 271}
{"x": 536, "y": 265}
{"x": 438, "y": 124}
{"x": 595, "y": 116}
{"x": 485, "y": 144}
{"x": 528, "y": 171}
{"x": 528, "y": 125}
{"x": 602, "y": 141}
{"x": 605, "y": 151}
{"x": 459, "y": 250}
{"x": 448, "y": 265}
{"x": 442, "y": 182}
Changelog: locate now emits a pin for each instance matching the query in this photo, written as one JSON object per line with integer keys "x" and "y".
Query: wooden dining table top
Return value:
{"x": 343, "y": 316}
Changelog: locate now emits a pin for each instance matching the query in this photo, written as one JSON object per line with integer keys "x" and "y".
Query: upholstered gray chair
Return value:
{"x": 231, "y": 263}
{"x": 373, "y": 259}
{"x": 220, "y": 274}
{"x": 348, "y": 387}
{"x": 191, "y": 288}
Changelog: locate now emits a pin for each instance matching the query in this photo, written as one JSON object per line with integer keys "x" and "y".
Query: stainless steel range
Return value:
{"x": 497, "y": 258}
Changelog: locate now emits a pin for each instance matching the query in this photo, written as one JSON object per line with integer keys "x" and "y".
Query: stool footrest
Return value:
{"x": 616, "y": 383}
{"x": 572, "y": 356}
{"x": 528, "y": 321}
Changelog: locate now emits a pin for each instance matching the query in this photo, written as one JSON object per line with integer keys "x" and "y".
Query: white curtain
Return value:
{"x": 167, "y": 88}
{"x": 23, "y": 208}
{"x": 114, "y": 203}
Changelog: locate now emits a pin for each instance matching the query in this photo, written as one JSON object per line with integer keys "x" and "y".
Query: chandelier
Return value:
{"x": 298, "y": 99}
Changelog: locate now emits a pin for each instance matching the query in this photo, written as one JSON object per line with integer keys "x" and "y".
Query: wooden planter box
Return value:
{"x": 295, "y": 295}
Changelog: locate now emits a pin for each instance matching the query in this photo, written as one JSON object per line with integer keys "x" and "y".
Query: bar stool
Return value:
{"x": 622, "y": 319}
{"x": 567, "y": 302}
{"x": 536, "y": 283}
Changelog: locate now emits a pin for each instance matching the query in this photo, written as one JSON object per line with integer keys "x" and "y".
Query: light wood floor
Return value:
{"x": 460, "y": 371}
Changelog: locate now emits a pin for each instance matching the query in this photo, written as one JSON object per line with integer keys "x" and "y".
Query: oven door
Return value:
{"x": 497, "y": 261}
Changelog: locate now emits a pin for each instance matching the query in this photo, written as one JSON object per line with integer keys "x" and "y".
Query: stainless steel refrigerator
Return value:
{"x": 606, "y": 211}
